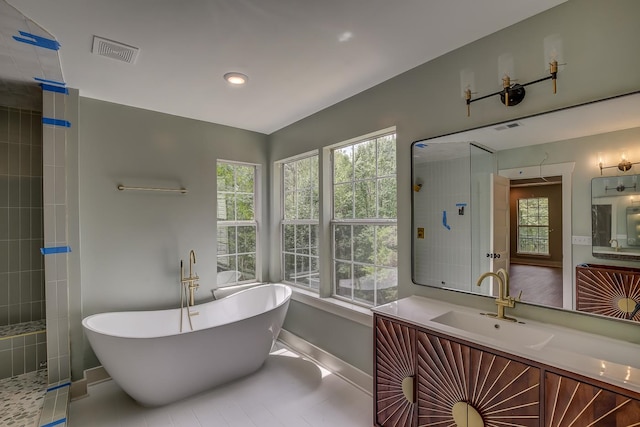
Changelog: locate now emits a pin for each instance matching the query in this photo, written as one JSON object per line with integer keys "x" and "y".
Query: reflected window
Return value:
{"x": 237, "y": 226}
{"x": 300, "y": 213}
{"x": 533, "y": 226}
{"x": 364, "y": 225}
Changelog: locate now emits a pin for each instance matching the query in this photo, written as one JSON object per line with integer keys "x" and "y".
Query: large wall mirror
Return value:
{"x": 517, "y": 195}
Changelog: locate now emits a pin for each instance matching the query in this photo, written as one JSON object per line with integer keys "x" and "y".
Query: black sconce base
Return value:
{"x": 516, "y": 95}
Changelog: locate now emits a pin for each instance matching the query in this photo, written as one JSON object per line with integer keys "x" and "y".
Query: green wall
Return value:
{"x": 131, "y": 243}
{"x": 600, "y": 48}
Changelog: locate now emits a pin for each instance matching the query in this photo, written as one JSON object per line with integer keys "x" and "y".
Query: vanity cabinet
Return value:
{"x": 394, "y": 373}
{"x": 424, "y": 378}
{"x": 608, "y": 290}
{"x": 458, "y": 383}
{"x": 569, "y": 402}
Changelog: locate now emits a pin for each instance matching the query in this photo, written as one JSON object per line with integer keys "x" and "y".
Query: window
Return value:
{"x": 300, "y": 212}
{"x": 237, "y": 226}
{"x": 364, "y": 225}
{"x": 533, "y": 226}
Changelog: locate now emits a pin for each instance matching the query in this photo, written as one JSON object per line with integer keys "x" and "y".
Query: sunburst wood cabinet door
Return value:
{"x": 460, "y": 385}
{"x": 394, "y": 374}
{"x": 572, "y": 403}
{"x": 608, "y": 290}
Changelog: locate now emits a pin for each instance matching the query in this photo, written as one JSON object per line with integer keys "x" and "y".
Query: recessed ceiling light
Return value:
{"x": 236, "y": 79}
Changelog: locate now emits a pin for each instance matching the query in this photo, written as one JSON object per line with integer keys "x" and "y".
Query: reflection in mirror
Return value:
{"x": 502, "y": 196}
{"x": 615, "y": 217}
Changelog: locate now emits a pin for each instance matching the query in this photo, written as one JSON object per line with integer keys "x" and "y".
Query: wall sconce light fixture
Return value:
{"x": 624, "y": 165}
{"x": 513, "y": 93}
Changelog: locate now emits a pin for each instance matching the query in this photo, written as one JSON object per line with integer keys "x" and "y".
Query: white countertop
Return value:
{"x": 612, "y": 361}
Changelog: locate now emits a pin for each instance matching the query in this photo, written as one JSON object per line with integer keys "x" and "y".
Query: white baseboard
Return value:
{"x": 339, "y": 367}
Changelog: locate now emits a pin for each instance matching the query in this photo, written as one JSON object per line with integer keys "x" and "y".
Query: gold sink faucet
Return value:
{"x": 503, "y": 300}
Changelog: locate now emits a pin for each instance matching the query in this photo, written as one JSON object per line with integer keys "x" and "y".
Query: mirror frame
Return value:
{"x": 568, "y": 299}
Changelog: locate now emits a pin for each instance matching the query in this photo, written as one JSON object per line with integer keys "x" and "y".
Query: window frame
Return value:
{"x": 240, "y": 223}
{"x": 281, "y": 164}
{"x": 538, "y": 226}
{"x": 333, "y": 222}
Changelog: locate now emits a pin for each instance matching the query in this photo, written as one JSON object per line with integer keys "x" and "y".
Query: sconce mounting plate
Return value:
{"x": 516, "y": 95}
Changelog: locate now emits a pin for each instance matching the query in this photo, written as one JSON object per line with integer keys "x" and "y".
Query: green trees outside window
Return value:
{"x": 364, "y": 225}
{"x": 237, "y": 228}
{"x": 533, "y": 226}
{"x": 300, "y": 222}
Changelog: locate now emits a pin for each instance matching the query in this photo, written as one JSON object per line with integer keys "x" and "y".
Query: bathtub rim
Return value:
{"x": 288, "y": 295}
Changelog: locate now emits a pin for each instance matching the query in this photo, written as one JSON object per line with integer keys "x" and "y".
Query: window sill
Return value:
{"x": 353, "y": 312}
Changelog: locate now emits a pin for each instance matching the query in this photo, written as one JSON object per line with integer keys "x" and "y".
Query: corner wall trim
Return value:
{"x": 91, "y": 376}
{"x": 339, "y": 367}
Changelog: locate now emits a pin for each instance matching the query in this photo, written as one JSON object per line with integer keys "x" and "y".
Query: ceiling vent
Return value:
{"x": 508, "y": 126}
{"x": 114, "y": 50}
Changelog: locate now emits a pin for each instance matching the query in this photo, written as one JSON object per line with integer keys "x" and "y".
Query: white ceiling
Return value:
{"x": 300, "y": 55}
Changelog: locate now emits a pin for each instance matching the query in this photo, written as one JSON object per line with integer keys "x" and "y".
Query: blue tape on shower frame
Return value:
{"x": 56, "y": 122}
{"x": 55, "y": 423}
{"x": 38, "y": 41}
{"x": 55, "y": 250}
{"x": 52, "y": 88}
{"x": 461, "y": 205}
{"x": 55, "y": 387}
{"x": 52, "y": 82}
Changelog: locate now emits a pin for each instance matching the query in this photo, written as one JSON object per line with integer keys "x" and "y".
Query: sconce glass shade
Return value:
{"x": 506, "y": 67}
{"x": 553, "y": 51}
{"x": 467, "y": 82}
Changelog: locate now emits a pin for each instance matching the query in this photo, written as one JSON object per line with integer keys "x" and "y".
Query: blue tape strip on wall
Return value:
{"x": 55, "y": 423}
{"x": 55, "y": 387}
{"x": 53, "y": 82}
{"x": 56, "y": 122}
{"x": 39, "y": 41}
{"x": 55, "y": 250}
{"x": 52, "y": 88}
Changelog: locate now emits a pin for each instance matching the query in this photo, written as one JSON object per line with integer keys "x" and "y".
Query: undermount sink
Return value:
{"x": 511, "y": 332}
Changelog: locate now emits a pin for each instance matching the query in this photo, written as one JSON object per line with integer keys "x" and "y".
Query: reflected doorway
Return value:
{"x": 536, "y": 240}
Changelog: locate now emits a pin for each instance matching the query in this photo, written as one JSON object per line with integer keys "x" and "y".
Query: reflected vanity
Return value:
{"x": 464, "y": 186}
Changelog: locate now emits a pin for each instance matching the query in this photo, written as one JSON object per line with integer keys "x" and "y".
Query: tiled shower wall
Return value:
{"x": 446, "y": 251}
{"x": 22, "y": 305}
{"x": 54, "y": 140}
{"x": 21, "y": 223}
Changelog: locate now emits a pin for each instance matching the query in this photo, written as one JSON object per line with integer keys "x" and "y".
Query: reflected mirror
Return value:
{"x": 517, "y": 195}
{"x": 615, "y": 217}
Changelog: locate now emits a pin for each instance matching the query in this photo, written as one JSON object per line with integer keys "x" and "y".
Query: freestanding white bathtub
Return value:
{"x": 146, "y": 355}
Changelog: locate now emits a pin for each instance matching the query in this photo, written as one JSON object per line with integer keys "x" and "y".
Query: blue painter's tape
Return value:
{"x": 55, "y": 250}
{"x": 460, "y": 204}
{"x": 52, "y": 88}
{"x": 37, "y": 41}
{"x": 55, "y": 387}
{"x": 53, "y": 82}
{"x": 55, "y": 423}
{"x": 56, "y": 122}
{"x": 444, "y": 220}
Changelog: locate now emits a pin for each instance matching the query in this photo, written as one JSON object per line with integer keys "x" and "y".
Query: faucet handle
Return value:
{"x": 519, "y": 298}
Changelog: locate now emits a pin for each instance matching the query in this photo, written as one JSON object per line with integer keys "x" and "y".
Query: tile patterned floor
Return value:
{"x": 289, "y": 391}
{"x": 21, "y": 398}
